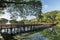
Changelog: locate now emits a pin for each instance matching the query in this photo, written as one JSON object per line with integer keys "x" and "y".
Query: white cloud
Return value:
{"x": 45, "y": 6}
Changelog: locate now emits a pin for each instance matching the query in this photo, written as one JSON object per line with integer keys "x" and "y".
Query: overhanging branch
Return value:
{"x": 13, "y": 2}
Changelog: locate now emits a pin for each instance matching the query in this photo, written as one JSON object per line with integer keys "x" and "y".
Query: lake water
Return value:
{"x": 36, "y": 36}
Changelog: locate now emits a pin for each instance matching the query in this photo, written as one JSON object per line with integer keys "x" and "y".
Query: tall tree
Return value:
{"x": 52, "y": 15}
{"x": 23, "y": 8}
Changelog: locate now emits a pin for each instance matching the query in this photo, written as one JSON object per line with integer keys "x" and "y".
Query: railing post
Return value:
{"x": 11, "y": 29}
{"x": 14, "y": 30}
{"x": 7, "y": 30}
{"x": 1, "y": 29}
{"x": 17, "y": 30}
{"x": 20, "y": 30}
{"x": 23, "y": 28}
{"x": 31, "y": 28}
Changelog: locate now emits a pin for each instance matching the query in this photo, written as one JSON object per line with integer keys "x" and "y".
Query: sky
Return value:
{"x": 47, "y": 5}
{"x": 50, "y": 5}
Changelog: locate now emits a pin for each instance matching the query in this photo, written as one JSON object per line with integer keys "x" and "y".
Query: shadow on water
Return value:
{"x": 7, "y": 36}
{"x": 35, "y": 36}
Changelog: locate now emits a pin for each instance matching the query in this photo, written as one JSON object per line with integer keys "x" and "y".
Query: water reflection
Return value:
{"x": 37, "y": 36}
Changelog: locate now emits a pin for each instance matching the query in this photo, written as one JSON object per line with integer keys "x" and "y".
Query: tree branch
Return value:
{"x": 13, "y": 2}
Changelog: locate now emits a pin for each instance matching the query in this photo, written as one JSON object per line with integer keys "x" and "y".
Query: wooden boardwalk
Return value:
{"x": 21, "y": 28}
{"x": 15, "y": 25}
{"x": 7, "y": 31}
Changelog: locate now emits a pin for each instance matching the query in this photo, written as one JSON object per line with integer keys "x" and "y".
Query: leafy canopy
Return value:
{"x": 3, "y": 20}
{"x": 31, "y": 7}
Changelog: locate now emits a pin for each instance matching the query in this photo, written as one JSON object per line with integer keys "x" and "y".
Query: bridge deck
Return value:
{"x": 15, "y": 25}
{"x": 21, "y": 28}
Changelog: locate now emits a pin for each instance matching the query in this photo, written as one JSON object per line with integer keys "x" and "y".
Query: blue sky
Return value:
{"x": 49, "y": 5}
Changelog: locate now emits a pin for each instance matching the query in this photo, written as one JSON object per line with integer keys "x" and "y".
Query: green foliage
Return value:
{"x": 13, "y": 21}
{"x": 46, "y": 18}
{"x": 54, "y": 32}
{"x": 31, "y": 7}
{"x": 3, "y": 20}
{"x": 1, "y": 12}
{"x": 51, "y": 33}
{"x": 52, "y": 16}
{"x": 21, "y": 22}
{"x": 28, "y": 7}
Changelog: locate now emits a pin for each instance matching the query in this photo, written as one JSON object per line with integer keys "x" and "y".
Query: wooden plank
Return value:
{"x": 24, "y": 25}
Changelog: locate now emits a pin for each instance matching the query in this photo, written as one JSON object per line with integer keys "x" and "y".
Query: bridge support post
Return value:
{"x": 11, "y": 30}
{"x": 14, "y": 30}
{"x": 7, "y": 30}
{"x": 31, "y": 28}
{"x": 7, "y": 36}
{"x": 1, "y": 29}
{"x": 23, "y": 28}
{"x": 20, "y": 30}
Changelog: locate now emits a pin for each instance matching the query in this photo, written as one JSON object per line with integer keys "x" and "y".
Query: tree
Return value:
{"x": 52, "y": 15}
{"x": 58, "y": 17}
{"x": 54, "y": 32}
{"x": 3, "y": 20}
{"x": 21, "y": 22}
{"x": 40, "y": 16}
{"x": 13, "y": 21}
{"x": 23, "y": 8}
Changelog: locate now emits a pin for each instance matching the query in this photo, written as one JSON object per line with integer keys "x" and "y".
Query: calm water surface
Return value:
{"x": 36, "y": 36}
